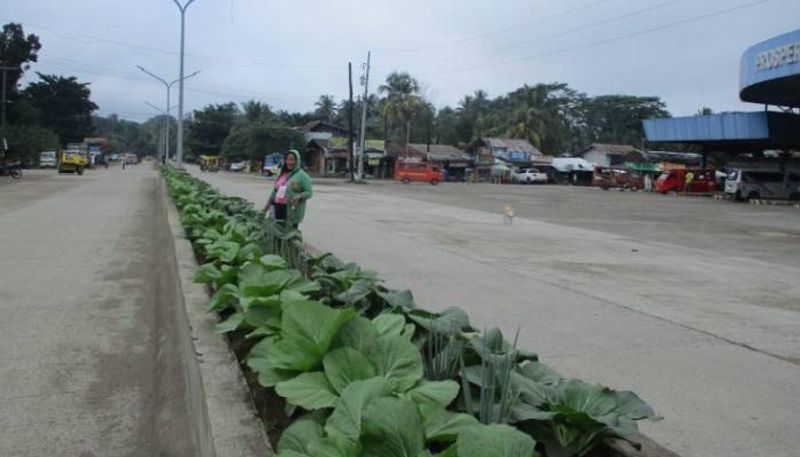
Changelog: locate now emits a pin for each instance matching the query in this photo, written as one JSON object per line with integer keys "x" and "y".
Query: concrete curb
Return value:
{"x": 225, "y": 422}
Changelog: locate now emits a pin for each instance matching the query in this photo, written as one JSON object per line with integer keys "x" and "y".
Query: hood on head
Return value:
{"x": 296, "y": 155}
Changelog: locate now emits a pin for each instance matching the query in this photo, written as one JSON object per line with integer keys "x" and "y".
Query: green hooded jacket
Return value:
{"x": 298, "y": 185}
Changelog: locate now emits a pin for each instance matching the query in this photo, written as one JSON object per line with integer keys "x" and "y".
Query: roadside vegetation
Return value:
{"x": 344, "y": 366}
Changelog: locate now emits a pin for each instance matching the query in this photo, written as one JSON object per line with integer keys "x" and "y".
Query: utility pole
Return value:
{"x": 350, "y": 115}
{"x": 168, "y": 85}
{"x": 183, "y": 9}
{"x": 363, "y": 137}
{"x": 164, "y": 132}
{"x": 4, "y": 144}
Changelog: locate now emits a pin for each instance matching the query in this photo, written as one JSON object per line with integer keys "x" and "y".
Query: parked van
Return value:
{"x": 418, "y": 171}
{"x": 675, "y": 181}
{"x": 48, "y": 159}
{"x": 754, "y": 185}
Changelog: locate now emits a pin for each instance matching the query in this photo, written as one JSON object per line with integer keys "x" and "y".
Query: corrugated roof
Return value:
{"x": 668, "y": 156}
{"x": 440, "y": 152}
{"x": 610, "y": 149}
{"x": 511, "y": 144}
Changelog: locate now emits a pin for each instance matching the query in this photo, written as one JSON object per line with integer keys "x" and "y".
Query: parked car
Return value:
{"x": 48, "y": 159}
{"x": 529, "y": 176}
{"x": 271, "y": 164}
{"x": 131, "y": 159}
{"x": 418, "y": 171}
{"x": 611, "y": 178}
{"x": 675, "y": 181}
{"x": 753, "y": 185}
{"x": 238, "y": 166}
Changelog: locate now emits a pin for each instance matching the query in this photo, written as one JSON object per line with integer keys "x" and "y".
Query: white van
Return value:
{"x": 47, "y": 159}
{"x": 754, "y": 185}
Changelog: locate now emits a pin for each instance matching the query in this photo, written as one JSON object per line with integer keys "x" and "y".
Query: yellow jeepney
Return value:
{"x": 72, "y": 161}
{"x": 210, "y": 163}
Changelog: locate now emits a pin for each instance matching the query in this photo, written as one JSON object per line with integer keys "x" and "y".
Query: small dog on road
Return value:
{"x": 508, "y": 215}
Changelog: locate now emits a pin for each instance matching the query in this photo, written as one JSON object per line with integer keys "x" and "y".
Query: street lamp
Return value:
{"x": 168, "y": 85}
{"x": 164, "y": 153}
{"x": 183, "y": 9}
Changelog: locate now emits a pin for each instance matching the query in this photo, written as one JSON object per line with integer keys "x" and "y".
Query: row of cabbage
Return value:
{"x": 364, "y": 370}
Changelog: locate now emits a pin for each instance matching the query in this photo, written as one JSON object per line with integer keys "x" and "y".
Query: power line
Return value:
{"x": 91, "y": 39}
{"x": 610, "y": 40}
{"x": 502, "y": 31}
{"x": 580, "y": 28}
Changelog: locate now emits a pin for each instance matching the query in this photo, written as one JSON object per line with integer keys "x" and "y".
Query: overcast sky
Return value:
{"x": 288, "y": 52}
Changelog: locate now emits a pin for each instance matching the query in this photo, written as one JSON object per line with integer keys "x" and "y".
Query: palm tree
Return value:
{"x": 255, "y": 111}
{"x": 403, "y": 102}
{"x": 326, "y": 108}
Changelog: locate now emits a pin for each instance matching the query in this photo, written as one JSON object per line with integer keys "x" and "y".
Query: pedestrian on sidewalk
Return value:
{"x": 291, "y": 190}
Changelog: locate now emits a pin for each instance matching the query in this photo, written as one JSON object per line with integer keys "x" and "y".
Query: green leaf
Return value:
{"x": 223, "y": 297}
{"x": 207, "y": 272}
{"x": 256, "y": 280}
{"x": 398, "y": 298}
{"x": 398, "y": 359}
{"x": 540, "y": 372}
{"x": 392, "y": 427}
{"x": 248, "y": 253}
{"x": 258, "y": 361}
{"x": 444, "y": 426}
{"x": 345, "y": 421}
{"x": 495, "y": 440}
{"x": 359, "y": 334}
{"x": 357, "y": 292}
{"x": 309, "y": 391}
{"x": 440, "y": 393}
{"x": 390, "y": 324}
{"x": 335, "y": 446}
{"x": 230, "y": 324}
{"x": 299, "y": 435}
{"x": 307, "y": 330}
{"x": 273, "y": 262}
{"x": 262, "y": 312}
{"x": 345, "y": 365}
{"x": 448, "y": 322}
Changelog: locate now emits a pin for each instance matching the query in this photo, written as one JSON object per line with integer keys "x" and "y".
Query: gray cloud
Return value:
{"x": 288, "y": 53}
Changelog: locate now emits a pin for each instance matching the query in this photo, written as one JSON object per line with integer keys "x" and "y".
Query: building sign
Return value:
{"x": 518, "y": 156}
{"x": 778, "y": 57}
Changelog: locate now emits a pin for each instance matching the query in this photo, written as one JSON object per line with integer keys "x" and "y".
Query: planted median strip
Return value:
{"x": 362, "y": 370}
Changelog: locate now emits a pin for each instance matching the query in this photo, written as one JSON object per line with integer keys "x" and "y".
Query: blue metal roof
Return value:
{"x": 716, "y": 127}
{"x": 761, "y": 128}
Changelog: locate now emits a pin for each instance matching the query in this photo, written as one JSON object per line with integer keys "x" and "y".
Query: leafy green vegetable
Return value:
{"x": 345, "y": 365}
{"x": 307, "y": 331}
{"x": 391, "y": 427}
{"x": 495, "y": 440}
{"x": 397, "y": 359}
{"x": 309, "y": 391}
{"x": 345, "y": 420}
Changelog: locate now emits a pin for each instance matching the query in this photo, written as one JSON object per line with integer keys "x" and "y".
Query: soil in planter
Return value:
{"x": 270, "y": 407}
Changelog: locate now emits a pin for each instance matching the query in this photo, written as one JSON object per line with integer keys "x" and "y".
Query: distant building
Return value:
{"x": 510, "y": 150}
{"x": 325, "y": 152}
{"x": 453, "y": 160}
{"x": 606, "y": 155}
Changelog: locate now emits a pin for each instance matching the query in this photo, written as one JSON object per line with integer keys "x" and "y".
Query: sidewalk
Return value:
{"x": 82, "y": 373}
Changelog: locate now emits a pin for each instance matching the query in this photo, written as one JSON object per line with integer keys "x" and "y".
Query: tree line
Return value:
{"x": 554, "y": 117}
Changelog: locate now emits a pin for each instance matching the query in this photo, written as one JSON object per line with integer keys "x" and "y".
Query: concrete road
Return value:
{"x": 83, "y": 369}
{"x": 692, "y": 303}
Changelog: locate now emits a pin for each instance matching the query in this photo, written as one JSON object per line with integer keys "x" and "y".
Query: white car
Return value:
{"x": 239, "y": 166}
{"x": 529, "y": 176}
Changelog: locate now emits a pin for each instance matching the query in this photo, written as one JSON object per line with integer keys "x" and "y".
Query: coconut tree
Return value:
{"x": 326, "y": 108}
{"x": 403, "y": 101}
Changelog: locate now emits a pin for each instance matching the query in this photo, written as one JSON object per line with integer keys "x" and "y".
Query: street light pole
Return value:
{"x": 183, "y": 9}
{"x": 163, "y": 154}
{"x": 363, "y": 136}
{"x": 168, "y": 85}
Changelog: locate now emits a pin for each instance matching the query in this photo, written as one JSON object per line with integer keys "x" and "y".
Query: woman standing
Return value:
{"x": 291, "y": 190}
